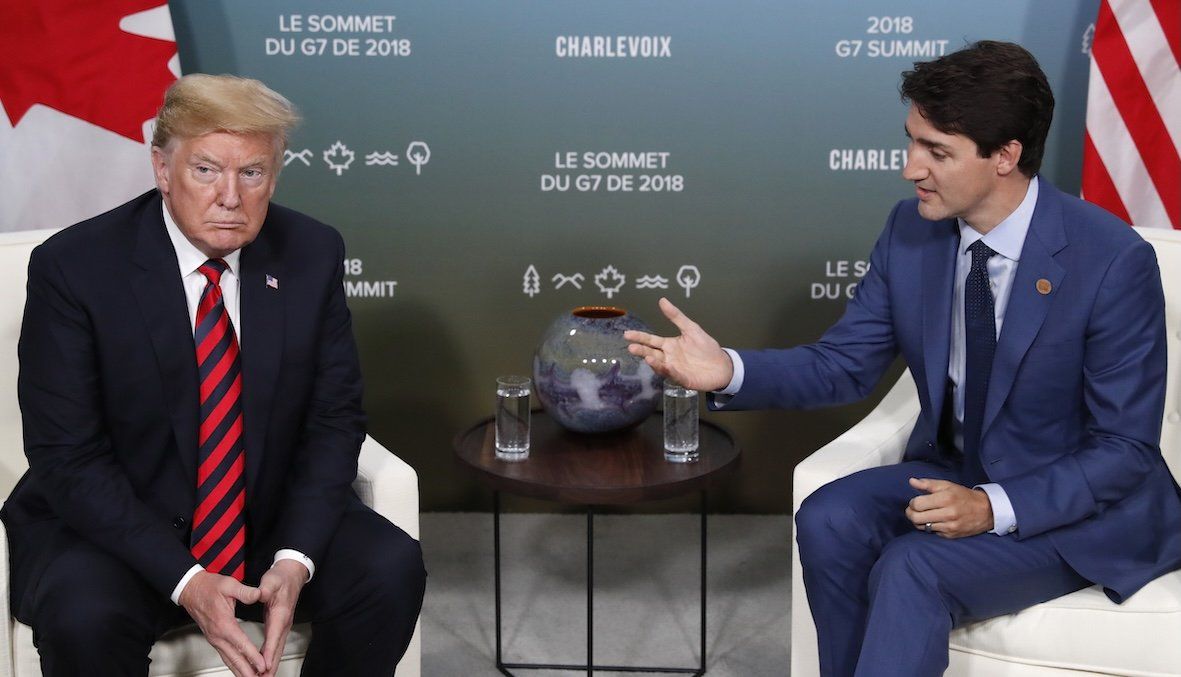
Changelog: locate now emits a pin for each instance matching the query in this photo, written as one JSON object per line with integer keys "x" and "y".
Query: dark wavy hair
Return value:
{"x": 991, "y": 92}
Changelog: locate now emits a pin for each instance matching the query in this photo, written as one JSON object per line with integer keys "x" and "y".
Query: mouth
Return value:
{"x": 227, "y": 224}
{"x": 923, "y": 193}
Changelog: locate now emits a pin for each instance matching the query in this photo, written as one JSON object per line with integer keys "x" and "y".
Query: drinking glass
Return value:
{"x": 512, "y": 416}
{"x": 680, "y": 423}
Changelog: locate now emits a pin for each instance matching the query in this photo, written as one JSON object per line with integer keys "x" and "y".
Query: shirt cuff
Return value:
{"x": 735, "y": 383}
{"x": 288, "y": 553}
{"x": 184, "y": 580}
{"x": 1004, "y": 522}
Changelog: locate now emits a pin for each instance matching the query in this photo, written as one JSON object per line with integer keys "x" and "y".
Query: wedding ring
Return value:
{"x": 927, "y": 527}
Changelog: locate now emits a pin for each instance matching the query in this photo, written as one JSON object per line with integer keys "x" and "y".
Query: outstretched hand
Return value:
{"x": 693, "y": 359}
{"x": 952, "y": 510}
{"x": 209, "y": 598}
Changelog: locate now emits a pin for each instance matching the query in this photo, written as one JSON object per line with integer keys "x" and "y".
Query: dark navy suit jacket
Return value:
{"x": 1073, "y": 412}
{"x": 108, "y": 392}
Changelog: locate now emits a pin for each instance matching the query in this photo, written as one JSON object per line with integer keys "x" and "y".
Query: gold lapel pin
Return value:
{"x": 1044, "y": 286}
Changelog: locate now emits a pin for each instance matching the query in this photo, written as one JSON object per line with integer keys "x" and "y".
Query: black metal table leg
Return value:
{"x": 590, "y": 666}
{"x": 704, "y": 550}
{"x": 590, "y": 592}
{"x": 496, "y": 574}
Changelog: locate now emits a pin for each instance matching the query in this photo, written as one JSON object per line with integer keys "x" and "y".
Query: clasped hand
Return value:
{"x": 952, "y": 510}
{"x": 210, "y": 598}
{"x": 693, "y": 359}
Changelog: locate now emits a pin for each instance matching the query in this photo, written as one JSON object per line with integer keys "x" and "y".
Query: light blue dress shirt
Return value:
{"x": 1007, "y": 240}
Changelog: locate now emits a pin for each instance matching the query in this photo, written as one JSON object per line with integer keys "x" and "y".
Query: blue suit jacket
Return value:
{"x": 1073, "y": 414}
{"x": 109, "y": 396}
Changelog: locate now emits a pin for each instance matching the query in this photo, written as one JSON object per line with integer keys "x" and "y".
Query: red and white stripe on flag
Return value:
{"x": 80, "y": 83}
{"x": 1132, "y": 151}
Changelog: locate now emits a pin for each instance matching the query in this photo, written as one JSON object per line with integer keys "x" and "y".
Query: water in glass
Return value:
{"x": 680, "y": 424}
{"x": 512, "y": 416}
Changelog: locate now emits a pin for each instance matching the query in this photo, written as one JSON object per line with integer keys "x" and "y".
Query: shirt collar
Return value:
{"x": 188, "y": 257}
{"x": 1008, "y": 238}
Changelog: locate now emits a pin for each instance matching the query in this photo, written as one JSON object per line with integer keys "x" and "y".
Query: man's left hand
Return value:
{"x": 952, "y": 510}
{"x": 280, "y": 587}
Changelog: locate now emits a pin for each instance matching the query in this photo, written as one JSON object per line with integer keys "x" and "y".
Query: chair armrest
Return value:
{"x": 388, "y": 485}
{"x": 878, "y": 439}
{"x": 6, "y": 665}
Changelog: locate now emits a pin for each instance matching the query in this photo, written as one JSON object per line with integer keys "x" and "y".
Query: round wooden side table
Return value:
{"x": 594, "y": 470}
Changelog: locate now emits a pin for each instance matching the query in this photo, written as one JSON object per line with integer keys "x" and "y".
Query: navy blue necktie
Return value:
{"x": 979, "y": 347}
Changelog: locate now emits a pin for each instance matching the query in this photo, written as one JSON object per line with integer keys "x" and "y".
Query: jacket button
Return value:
{"x": 930, "y": 444}
{"x": 178, "y": 523}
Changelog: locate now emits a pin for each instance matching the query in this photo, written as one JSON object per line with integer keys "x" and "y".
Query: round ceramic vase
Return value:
{"x": 584, "y": 376}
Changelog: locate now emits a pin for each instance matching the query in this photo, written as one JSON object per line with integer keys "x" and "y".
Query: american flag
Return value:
{"x": 1132, "y": 151}
{"x": 272, "y": 282}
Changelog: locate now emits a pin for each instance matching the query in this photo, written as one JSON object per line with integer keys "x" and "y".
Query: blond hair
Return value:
{"x": 199, "y": 104}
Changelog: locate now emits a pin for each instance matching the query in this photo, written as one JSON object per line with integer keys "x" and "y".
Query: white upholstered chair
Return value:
{"x": 1080, "y": 634}
{"x": 384, "y": 482}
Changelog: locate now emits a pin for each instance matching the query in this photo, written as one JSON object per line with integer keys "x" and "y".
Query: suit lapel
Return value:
{"x": 160, "y": 294}
{"x": 262, "y": 344}
{"x": 1027, "y": 306}
{"x": 938, "y": 288}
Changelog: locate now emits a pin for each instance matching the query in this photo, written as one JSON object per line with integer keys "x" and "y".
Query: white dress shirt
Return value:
{"x": 1007, "y": 240}
{"x": 189, "y": 259}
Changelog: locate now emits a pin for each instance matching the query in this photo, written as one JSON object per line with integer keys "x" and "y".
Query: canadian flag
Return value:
{"x": 1132, "y": 150}
{"x": 80, "y": 83}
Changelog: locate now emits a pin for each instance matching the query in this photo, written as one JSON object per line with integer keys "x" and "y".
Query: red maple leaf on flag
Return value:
{"x": 72, "y": 56}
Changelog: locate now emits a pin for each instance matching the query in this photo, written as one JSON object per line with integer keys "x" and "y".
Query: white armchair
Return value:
{"x": 1082, "y": 633}
{"x": 384, "y": 482}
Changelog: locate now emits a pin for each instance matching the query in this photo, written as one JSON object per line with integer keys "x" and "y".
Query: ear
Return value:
{"x": 160, "y": 168}
{"x": 1007, "y": 157}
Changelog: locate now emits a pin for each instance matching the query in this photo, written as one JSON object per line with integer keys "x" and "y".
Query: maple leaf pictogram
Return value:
{"x": 609, "y": 281}
{"x": 72, "y": 57}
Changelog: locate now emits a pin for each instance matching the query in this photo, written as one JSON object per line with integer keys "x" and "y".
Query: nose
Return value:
{"x": 913, "y": 170}
{"x": 228, "y": 194}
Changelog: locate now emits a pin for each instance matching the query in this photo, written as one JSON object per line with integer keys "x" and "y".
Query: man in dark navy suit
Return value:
{"x": 191, "y": 400}
{"x": 1033, "y": 324}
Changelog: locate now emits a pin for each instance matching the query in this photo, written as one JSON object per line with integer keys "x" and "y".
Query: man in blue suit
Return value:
{"x": 1033, "y": 324}
{"x": 191, "y": 401}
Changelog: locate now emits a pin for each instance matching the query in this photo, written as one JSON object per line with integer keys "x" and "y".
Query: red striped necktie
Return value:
{"x": 219, "y": 524}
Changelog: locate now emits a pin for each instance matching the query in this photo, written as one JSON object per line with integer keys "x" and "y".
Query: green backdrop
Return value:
{"x": 456, "y": 146}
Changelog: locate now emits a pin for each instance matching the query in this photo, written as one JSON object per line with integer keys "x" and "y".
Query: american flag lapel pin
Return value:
{"x": 272, "y": 282}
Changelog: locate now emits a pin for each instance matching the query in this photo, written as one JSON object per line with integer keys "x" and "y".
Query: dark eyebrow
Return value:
{"x": 927, "y": 142}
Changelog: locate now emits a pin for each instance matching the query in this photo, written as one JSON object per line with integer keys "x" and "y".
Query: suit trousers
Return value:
{"x": 885, "y": 596}
{"x": 92, "y": 615}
